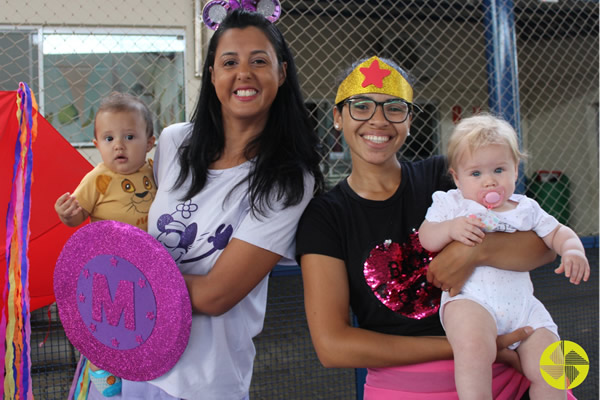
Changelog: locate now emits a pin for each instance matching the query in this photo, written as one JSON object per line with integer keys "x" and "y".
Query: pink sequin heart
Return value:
{"x": 397, "y": 275}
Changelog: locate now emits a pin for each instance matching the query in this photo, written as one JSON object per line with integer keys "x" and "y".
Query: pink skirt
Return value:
{"x": 435, "y": 380}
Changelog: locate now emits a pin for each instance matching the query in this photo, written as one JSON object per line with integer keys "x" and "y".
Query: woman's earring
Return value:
{"x": 407, "y": 133}
{"x": 337, "y": 127}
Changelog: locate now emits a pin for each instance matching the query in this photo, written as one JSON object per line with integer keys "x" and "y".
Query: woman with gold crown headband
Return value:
{"x": 232, "y": 185}
{"x": 358, "y": 247}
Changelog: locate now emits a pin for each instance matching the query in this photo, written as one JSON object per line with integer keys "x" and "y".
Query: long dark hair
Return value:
{"x": 285, "y": 149}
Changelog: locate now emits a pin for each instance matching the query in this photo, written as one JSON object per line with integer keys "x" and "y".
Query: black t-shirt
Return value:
{"x": 343, "y": 225}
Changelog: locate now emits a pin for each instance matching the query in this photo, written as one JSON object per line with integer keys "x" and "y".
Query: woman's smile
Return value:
{"x": 377, "y": 139}
{"x": 245, "y": 94}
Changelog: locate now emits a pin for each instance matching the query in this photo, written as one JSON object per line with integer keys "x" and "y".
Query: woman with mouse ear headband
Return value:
{"x": 232, "y": 185}
{"x": 358, "y": 247}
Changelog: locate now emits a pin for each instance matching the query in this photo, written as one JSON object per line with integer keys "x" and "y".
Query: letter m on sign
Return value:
{"x": 123, "y": 302}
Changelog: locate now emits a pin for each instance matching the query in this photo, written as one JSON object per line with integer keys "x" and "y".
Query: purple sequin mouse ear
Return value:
{"x": 215, "y": 11}
{"x": 271, "y": 9}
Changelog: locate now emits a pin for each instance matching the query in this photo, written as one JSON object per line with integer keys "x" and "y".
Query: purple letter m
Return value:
{"x": 101, "y": 299}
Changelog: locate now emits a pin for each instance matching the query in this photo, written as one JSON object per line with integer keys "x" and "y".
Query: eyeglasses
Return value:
{"x": 363, "y": 109}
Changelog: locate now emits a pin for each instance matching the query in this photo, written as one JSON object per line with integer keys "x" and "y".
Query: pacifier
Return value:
{"x": 491, "y": 198}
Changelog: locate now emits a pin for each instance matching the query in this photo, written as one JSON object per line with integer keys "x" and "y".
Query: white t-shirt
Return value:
{"x": 217, "y": 363}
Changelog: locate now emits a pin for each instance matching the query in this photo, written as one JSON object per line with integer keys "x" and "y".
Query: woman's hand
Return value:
{"x": 517, "y": 251}
{"x": 507, "y": 356}
{"x": 451, "y": 268}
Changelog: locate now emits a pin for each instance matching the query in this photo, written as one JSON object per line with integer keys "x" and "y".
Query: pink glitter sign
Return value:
{"x": 126, "y": 322}
{"x": 122, "y": 300}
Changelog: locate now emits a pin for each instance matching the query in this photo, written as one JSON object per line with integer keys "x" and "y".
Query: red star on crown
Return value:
{"x": 374, "y": 75}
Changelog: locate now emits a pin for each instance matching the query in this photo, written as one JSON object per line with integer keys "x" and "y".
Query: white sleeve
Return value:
{"x": 444, "y": 207}
{"x": 276, "y": 232}
{"x": 543, "y": 223}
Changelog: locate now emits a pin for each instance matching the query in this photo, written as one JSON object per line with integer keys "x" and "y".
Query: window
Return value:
{"x": 18, "y": 58}
{"x": 80, "y": 67}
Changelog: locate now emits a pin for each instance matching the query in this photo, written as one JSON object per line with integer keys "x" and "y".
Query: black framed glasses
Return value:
{"x": 394, "y": 110}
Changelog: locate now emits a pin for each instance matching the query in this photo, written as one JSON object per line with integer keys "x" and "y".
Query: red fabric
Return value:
{"x": 57, "y": 168}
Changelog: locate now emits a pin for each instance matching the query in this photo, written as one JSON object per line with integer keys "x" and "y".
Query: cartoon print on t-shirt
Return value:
{"x": 492, "y": 222}
{"x": 219, "y": 241}
{"x": 178, "y": 237}
{"x": 397, "y": 275}
{"x": 175, "y": 235}
{"x": 138, "y": 189}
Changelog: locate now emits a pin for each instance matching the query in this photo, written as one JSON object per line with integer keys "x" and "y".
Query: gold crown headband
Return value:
{"x": 374, "y": 76}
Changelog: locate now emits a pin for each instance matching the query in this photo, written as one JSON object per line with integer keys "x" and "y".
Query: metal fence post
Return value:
{"x": 501, "y": 55}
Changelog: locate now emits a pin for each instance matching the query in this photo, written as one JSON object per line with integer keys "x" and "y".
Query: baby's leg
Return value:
{"x": 530, "y": 351}
{"x": 472, "y": 332}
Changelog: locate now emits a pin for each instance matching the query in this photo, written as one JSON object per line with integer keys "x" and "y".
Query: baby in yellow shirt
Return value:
{"x": 120, "y": 188}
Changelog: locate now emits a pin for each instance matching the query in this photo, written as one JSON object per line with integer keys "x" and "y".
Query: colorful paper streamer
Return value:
{"x": 15, "y": 327}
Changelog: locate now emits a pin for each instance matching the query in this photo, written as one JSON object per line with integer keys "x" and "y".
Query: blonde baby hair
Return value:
{"x": 481, "y": 130}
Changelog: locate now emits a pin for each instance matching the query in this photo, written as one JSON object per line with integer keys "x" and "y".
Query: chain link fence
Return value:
{"x": 72, "y": 54}
{"x": 442, "y": 43}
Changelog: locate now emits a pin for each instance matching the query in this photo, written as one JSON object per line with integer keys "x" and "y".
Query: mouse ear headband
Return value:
{"x": 215, "y": 11}
{"x": 374, "y": 76}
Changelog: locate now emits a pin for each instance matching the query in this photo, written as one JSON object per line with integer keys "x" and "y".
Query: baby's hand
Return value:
{"x": 575, "y": 266}
{"x": 67, "y": 207}
{"x": 467, "y": 230}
